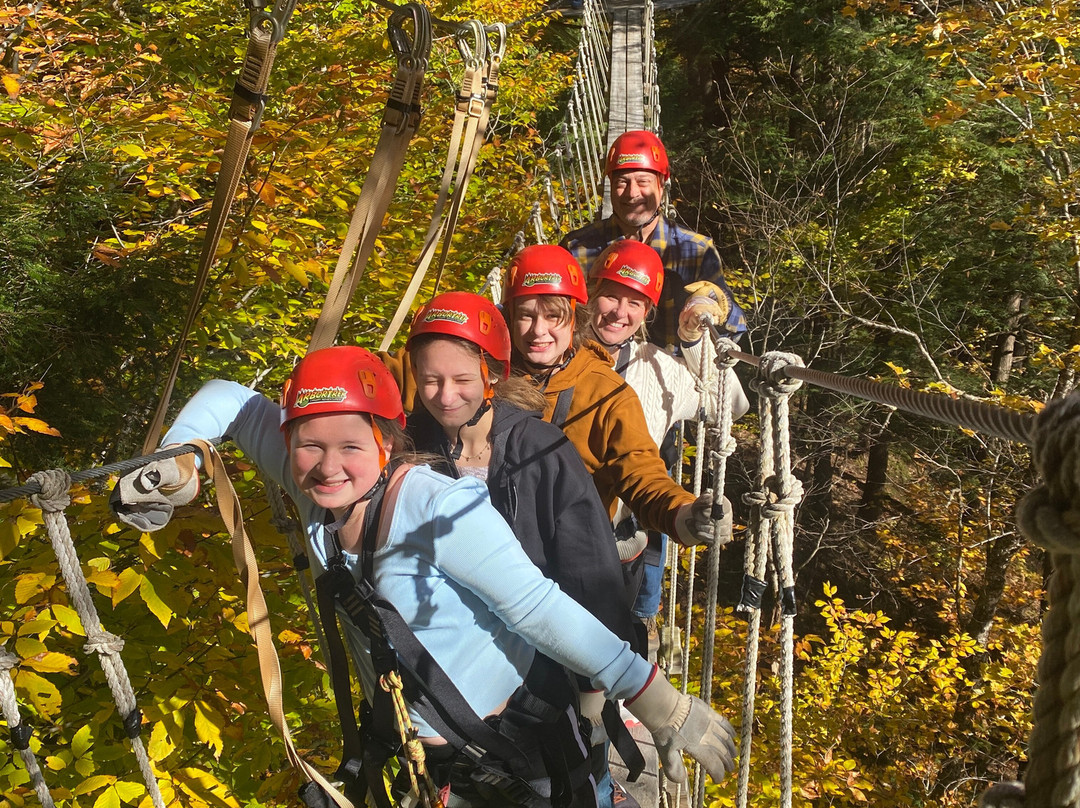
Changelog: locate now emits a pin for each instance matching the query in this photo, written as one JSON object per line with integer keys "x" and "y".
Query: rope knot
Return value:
{"x": 772, "y": 381}
{"x": 781, "y": 501}
{"x": 104, "y": 643}
{"x": 54, "y": 496}
{"x": 724, "y": 360}
{"x": 725, "y": 448}
{"x": 1047, "y": 524}
{"x": 1050, "y": 513}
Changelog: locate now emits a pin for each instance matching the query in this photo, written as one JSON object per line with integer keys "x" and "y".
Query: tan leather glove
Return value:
{"x": 706, "y": 300}
{"x": 694, "y": 523}
{"x": 145, "y": 498}
{"x": 684, "y": 724}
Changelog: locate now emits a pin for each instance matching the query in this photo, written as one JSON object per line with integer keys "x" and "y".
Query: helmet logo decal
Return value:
{"x": 367, "y": 379}
{"x": 485, "y": 322}
{"x": 534, "y": 278}
{"x": 623, "y": 159}
{"x": 659, "y": 281}
{"x": 636, "y": 275}
{"x": 656, "y": 153}
{"x": 319, "y": 395}
{"x": 575, "y": 273}
{"x": 611, "y": 259}
{"x": 448, "y": 315}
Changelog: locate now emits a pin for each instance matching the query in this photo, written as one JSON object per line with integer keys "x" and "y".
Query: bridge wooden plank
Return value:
{"x": 626, "y": 100}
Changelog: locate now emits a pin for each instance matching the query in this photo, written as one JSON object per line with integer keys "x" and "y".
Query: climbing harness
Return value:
{"x": 405, "y": 668}
{"x": 266, "y": 29}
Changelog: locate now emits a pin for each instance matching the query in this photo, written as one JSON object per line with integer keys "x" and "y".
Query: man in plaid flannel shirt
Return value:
{"x": 637, "y": 166}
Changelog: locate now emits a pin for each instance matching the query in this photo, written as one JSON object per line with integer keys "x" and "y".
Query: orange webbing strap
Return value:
{"x": 265, "y": 31}
{"x": 400, "y": 119}
{"x": 467, "y": 112}
{"x": 258, "y": 613}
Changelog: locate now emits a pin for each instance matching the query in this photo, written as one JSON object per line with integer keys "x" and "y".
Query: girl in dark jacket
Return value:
{"x": 482, "y": 423}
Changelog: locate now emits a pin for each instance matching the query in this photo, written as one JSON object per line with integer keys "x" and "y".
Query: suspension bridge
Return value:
{"x": 614, "y": 89}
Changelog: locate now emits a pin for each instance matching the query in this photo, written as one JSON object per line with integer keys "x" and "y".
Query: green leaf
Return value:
{"x": 108, "y": 799}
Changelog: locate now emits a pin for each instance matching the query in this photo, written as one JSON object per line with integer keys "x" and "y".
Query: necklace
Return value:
{"x": 478, "y": 455}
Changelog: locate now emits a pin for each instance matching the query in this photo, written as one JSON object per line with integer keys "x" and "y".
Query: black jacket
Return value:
{"x": 540, "y": 485}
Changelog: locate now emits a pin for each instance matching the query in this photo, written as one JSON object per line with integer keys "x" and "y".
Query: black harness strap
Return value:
{"x": 562, "y": 407}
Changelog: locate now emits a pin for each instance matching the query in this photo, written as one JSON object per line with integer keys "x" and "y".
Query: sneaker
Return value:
{"x": 621, "y": 799}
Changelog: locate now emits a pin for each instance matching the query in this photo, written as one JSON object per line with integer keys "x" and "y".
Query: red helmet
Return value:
{"x": 466, "y": 315}
{"x": 634, "y": 265}
{"x": 636, "y": 150}
{"x": 545, "y": 269}
{"x": 344, "y": 378}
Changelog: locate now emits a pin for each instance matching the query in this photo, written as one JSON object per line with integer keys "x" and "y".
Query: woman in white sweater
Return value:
{"x": 626, "y": 282}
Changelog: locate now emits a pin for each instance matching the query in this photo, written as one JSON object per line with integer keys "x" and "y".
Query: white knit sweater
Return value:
{"x": 669, "y": 389}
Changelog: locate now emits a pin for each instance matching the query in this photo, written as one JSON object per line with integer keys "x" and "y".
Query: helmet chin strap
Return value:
{"x": 485, "y": 405}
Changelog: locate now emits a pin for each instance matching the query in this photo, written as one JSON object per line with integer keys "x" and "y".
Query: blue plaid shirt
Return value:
{"x": 687, "y": 257}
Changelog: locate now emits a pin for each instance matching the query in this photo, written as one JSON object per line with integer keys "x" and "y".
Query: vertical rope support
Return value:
{"x": 52, "y": 500}
{"x": 723, "y": 446}
{"x": 1049, "y": 516}
{"x": 672, "y": 561}
{"x": 786, "y": 494}
{"x": 20, "y": 731}
{"x": 754, "y": 566}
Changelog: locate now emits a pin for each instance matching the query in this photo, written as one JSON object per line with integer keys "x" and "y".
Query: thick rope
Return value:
{"x": 1050, "y": 517}
{"x": 20, "y": 731}
{"x": 723, "y": 446}
{"x": 989, "y": 419}
{"x": 777, "y": 387}
{"x": 97, "y": 473}
{"x": 52, "y": 500}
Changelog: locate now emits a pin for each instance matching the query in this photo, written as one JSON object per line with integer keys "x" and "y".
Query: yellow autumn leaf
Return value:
{"x": 208, "y": 726}
{"x": 36, "y": 425}
{"x": 92, "y": 784}
{"x": 156, "y": 605}
{"x": 127, "y": 791}
{"x": 4, "y": 464}
{"x": 108, "y": 799}
{"x": 128, "y": 583}
{"x": 11, "y": 85}
{"x": 52, "y": 662}
{"x": 39, "y": 691}
{"x": 132, "y": 150}
{"x": 68, "y": 618}
{"x": 160, "y": 745}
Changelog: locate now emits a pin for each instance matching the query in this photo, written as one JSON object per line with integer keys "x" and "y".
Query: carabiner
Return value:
{"x": 274, "y": 22}
{"x": 415, "y": 52}
{"x": 497, "y": 50}
{"x": 475, "y": 56}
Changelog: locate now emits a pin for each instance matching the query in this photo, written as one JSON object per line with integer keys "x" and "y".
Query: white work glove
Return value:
{"x": 145, "y": 498}
{"x": 630, "y": 548}
{"x": 696, "y": 523}
{"x": 591, "y": 707}
{"x": 707, "y": 300}
{"x": 684, "y": 724}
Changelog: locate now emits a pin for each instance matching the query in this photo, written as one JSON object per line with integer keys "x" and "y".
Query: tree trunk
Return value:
{"x": 1006, "y": 346}
{"x": 877, "y": 475}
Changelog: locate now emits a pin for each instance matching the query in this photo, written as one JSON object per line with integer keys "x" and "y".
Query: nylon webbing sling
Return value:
{"x": 265, "y": 30}
{"x": 400, "y": 119}
{"x": 258, "y": 612}
{"x": 470, "y": 125}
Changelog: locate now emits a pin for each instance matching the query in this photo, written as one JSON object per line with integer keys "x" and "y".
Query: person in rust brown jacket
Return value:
{"x": 595, "y": 407}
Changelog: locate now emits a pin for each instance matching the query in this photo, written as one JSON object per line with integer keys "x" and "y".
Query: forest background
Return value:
{"x": 892, "y": 190}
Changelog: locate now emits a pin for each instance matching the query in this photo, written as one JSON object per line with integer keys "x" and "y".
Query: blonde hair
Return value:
{"x": 584, "y": 328}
